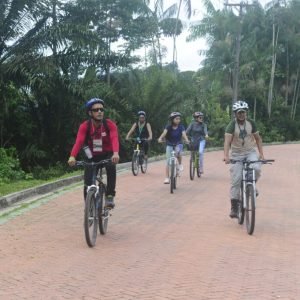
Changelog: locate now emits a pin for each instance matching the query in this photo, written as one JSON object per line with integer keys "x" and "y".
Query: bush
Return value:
{"x": 52, "y": 172}
{"x": 10, "y": 169}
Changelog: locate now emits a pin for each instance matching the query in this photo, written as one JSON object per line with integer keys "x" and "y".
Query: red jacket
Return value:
{"x": 110, "y": 139}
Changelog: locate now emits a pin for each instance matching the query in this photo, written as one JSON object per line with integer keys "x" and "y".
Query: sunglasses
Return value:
{"x": 97, "y": 109}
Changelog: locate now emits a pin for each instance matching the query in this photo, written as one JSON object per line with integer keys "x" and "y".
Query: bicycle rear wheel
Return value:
{"x": 172, "y": 176}
{"x": 144, "y": 163}
{"x": 102, "y": 211}
{"x": 192, "y": 166}
{"x": 135, "y": 164}
{"x": 250, "y": 208}
{"x": 241, "y": 210}
{"x": 91, "y": 218}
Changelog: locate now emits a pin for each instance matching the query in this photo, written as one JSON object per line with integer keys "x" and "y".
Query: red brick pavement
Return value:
{"x": 162, "y": 246}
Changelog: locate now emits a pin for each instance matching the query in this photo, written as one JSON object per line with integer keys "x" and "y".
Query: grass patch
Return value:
{"x": 19, "y": 185}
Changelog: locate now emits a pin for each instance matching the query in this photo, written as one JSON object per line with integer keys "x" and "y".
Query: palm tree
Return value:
{"x": 188, "y": 7}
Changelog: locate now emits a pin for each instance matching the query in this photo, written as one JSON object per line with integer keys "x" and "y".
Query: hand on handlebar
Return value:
{"x": 72, "y": 161}
{"x": 115, "y": 158}
{"x": 226, "y": 159}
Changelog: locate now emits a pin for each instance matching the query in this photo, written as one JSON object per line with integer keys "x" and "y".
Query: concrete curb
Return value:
{"x": 10, "y": 199}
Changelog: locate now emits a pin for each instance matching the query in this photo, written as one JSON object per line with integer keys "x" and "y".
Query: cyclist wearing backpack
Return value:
{"x": 242, "y": 137}
{"x": 142, "y": 130}
{"x": 100, "y": 135}
{"x": 174, "y": 132}
{"x": 197, "y": 131}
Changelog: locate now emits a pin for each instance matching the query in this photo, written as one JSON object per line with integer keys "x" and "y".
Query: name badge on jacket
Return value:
{"x": 97, "y": 145}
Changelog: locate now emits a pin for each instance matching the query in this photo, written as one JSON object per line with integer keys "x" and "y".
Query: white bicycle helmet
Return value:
{"x": 240, "y": 105}
{"x": 141, "y": 113}
{"x": 198, "y": 114}
{"x": 174, "y": 114}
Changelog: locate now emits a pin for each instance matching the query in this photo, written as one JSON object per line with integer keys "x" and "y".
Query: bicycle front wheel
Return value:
{"x": 197, "y": 165}
{"x": 250, "y": 208}
{"x": 144, "y": 164}
{"x": 172, "y": 176}
{"x": 135, "y": 164}
{"x": 241, "y": 210}
{"x": 192, "y": 166}
{"x": 102, "y": 211}
{"x": 91, "y": 218}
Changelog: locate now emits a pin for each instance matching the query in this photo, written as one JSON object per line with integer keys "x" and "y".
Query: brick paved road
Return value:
{"x": 162, "y": 246}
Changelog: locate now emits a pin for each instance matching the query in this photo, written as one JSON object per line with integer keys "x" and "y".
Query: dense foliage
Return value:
{"x": 54, "y": 55}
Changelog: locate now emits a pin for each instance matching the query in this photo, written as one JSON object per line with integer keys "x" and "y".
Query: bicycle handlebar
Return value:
{"x": 248, "y": 162}
{"x": 104, "y": 162}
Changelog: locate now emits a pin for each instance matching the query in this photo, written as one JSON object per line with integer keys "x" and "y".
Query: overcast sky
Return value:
{"x": 188, "y": 57}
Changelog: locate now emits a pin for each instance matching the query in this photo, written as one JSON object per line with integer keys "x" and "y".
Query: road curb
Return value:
{"x": 10, "y": 199}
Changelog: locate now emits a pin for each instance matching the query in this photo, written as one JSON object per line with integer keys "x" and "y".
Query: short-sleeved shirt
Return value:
{"x": 174, "y": 135}
{"x": 242, "y": 136}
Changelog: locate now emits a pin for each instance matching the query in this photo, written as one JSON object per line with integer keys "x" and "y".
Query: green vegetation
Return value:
{"x": 54, "y": 55}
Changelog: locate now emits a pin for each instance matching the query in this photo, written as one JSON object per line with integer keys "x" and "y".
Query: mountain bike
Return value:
{"x": 247, "y": 200}
{"x": 194, "y": 164}
{"x": 173, "y": 168}
{"x": 138, "y": 158}
{"x": 95, "y": 212}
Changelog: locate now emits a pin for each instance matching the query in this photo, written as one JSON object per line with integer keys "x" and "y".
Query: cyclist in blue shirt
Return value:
{"x": 173, "y": 133}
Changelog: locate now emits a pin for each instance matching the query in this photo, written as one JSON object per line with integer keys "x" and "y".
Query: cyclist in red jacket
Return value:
{"x": 99, "y": 138}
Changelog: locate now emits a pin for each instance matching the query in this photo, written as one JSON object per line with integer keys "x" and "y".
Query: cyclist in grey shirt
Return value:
{"x": 197, "y": 130}
{"x": 241, "y": 140}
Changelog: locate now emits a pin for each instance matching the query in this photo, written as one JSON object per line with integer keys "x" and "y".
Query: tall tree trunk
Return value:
{"x": 274, "y": 57}
{"x": 175, "y": 33}
{"x": 54, "y": 20}
{"x": 295, "y": 93}
{"x": 254, "y": 110}
{"x": 296, "y": 101}
{"x": 287, "y": 75}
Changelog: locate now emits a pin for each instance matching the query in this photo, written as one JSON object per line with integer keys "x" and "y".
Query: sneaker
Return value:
{"x": 109, "y": 201}
{"x": 167, "y": 181}
{"x": 180, "y": 168}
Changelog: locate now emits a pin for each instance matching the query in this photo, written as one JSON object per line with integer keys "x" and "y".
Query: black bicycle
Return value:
{"x": 95, "y": 212}
{"x": 247, "y": 200}
{"x": 194, "y": 164}
{"x": 138, "y": 157}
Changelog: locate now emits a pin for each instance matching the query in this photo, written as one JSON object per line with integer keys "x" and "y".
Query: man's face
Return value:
{"x": 97, "y": 112}
{"x": 241, "y": 115}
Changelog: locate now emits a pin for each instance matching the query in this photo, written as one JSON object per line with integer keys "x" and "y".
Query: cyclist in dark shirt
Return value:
{"x": 141, "y": 130}
{"x": 173, "y": 133}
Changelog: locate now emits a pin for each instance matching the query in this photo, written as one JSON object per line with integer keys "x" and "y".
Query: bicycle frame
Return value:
{"x": 174, "y": 157}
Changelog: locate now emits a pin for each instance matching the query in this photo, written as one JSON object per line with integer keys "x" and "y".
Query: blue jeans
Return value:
{"x": 201, "y": 154}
